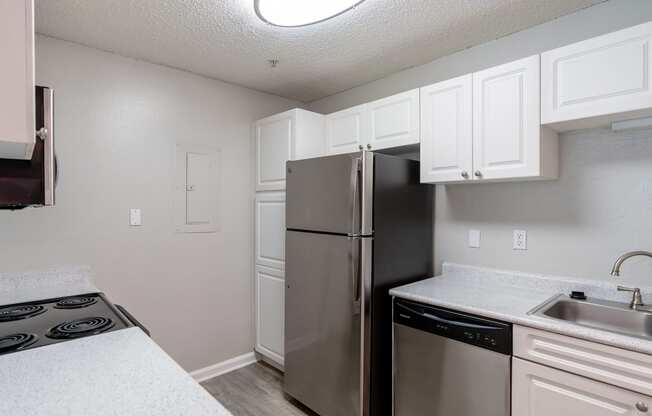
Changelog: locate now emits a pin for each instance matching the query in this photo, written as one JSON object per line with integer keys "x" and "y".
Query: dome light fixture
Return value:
{"x": 295, "y": 13}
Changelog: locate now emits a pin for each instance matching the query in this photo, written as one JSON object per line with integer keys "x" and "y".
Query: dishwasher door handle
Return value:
{"x": 444, "y": 320}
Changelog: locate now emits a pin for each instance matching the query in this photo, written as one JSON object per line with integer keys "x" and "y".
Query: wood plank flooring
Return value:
{"x": 255, "y": 390}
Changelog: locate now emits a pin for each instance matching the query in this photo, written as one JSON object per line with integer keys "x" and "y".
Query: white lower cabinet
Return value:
{"x": 538, "y": 390}
{"x": 270, "y": 313}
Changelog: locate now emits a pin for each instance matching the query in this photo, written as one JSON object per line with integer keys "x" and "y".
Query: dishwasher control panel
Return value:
{"x": 471, "y": 329}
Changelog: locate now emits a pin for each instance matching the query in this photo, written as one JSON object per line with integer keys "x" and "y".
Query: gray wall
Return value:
{"x": 600, "y": 207}
{"x": 117, "y": 121}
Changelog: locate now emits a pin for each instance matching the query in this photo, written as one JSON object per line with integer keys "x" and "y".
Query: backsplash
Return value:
{"x": 599, "y": 208}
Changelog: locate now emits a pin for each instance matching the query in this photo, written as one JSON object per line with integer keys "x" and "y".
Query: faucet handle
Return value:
{"x": 637, "y": 299}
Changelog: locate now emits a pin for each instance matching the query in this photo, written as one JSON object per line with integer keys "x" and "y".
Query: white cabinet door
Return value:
{"x": 310, "y": 138}
{"x": 347, "y": 130}
{"x": 542, "y": 391}
{"x": 447, "y": 130}
{"x": 506, "y": 121}
{"x": 17, "y": 136}
{"x": 270, "y": 229}
{"x": 602, "y": 76}
{"x": 394, "y": 120}
{"x": 270, "y": 313}
{"x": 274, "y": 137}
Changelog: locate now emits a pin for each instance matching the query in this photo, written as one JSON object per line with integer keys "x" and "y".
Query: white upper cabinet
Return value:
{"x": 347, "y": 130}
{"x": 446, "y": 129}
{"x": 543, "y": 391}
{"x": 17, "y": 135}
{"x": 389, "y": 122}
{"x": 507, "y": 139}
{"x": 270, "y": 229}
{"x": 486, "y": 127}
{"x": 294, "y": 134}
{"x": 597, "y": 81}
{"x": 394, "y": 121}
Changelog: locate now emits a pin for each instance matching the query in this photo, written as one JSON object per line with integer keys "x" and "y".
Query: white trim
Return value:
{"x": 224, "y": 367}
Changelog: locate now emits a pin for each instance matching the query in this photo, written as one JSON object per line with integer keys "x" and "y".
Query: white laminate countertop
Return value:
{"x": 509, "y": 296}
{"x": 18, "y": 287}
{"x": 118, "y": 373}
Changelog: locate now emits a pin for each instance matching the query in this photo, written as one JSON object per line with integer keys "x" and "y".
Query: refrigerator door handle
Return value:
{"x": 366, "y": 247}
{"x": 356, "y": 276}
{"x": 355, "y": 210}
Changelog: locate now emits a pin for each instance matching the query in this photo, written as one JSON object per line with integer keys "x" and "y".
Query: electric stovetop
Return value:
{"x": 30, "y": 325}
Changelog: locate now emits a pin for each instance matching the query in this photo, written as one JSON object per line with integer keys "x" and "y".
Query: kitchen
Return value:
{"x": 139, "y": 86}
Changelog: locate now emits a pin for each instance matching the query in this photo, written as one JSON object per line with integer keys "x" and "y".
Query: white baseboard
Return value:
{"x": 224, "y": 367}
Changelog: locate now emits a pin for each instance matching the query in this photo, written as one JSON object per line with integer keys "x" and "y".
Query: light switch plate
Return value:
{"x": 520, "y": 240}
{"x": 135, "y": 217}
{"x": 474, "y": 238}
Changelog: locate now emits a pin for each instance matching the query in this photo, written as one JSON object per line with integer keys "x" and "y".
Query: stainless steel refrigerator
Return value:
{"x": 357, "y": 225}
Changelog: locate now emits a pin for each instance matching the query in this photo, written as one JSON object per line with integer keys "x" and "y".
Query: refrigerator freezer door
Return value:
{"x": 330, "y": 194}
{"x": 324, "y": 296}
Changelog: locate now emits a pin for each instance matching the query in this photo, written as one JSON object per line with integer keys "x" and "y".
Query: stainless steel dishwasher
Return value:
{"x": 450, "y": 363}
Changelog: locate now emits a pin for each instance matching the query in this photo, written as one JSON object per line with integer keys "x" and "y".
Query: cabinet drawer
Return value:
{"x": 627, "y": 369}
{"x": 542, "y": 391}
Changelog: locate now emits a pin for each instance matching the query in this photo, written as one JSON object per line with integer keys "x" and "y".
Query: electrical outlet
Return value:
{"x": 520, "y": 240}
{"x": 135, "y": 217}
{"x": 474, "y": 238}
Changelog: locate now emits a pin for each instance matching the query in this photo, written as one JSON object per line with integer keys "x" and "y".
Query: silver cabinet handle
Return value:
{"x": 360, "y": 147}
{"x": 368, "y": 146}
{"x": 641, "y": 407}
{"x": 465, "y": 175}
{"x": 477, "y": 174}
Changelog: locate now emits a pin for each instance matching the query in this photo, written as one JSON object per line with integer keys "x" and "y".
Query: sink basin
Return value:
{"x": 599, "y": 314}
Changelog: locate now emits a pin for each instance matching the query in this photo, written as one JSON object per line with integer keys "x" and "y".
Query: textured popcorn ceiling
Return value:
{"x": 224, "y": 39}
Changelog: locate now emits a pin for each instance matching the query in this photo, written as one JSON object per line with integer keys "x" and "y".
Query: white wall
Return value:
{"x": 117, "y": 121}
{"x": 600, "y": 207}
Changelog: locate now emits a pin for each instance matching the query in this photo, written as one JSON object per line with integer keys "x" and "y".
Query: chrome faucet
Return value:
{"x": 637, "y": 300}
{"x": 615, "y": 270}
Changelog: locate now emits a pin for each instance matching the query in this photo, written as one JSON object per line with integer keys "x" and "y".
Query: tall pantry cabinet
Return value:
{"x": 292, "y": 135}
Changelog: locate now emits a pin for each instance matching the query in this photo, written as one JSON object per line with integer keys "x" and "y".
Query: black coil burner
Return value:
{"x": 16, "y": 342}
{"x": 14, "y": 313}
{"x": 76, "y": 302}
{"x": 80, "y": 328}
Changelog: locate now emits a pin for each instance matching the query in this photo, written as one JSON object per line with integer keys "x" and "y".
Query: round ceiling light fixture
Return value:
{"x": 294, "y": 13}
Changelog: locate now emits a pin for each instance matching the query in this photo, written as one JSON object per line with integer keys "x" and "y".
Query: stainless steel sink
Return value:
{"x": 599, "y": 314}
